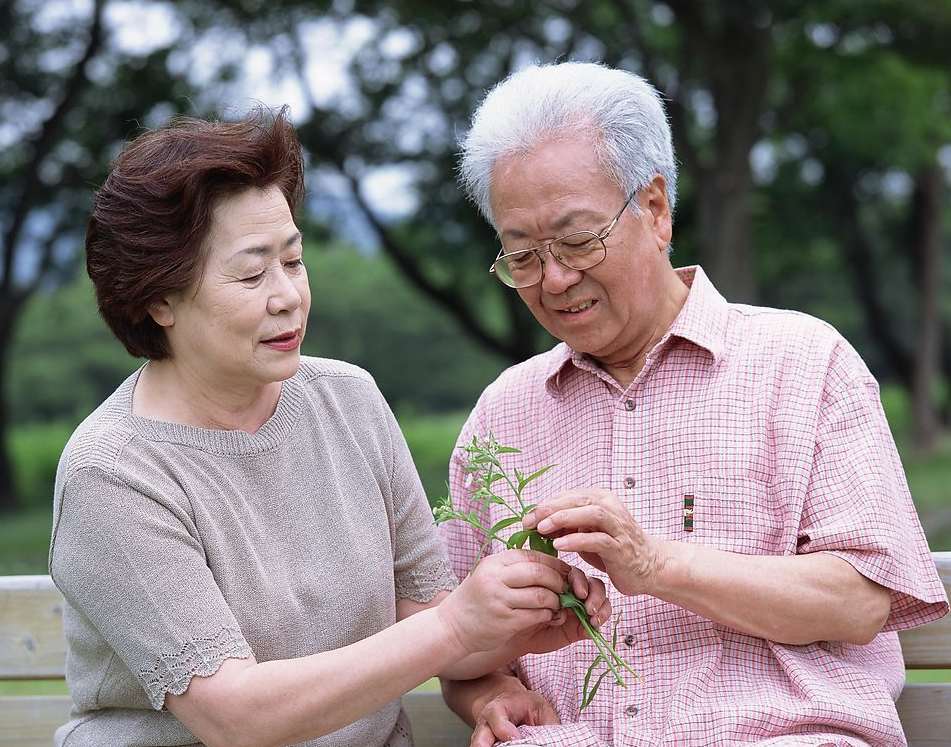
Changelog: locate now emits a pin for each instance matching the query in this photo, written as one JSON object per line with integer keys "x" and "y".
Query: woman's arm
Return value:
{"x": 292, "y": 700}
{"x": 562, "y": 630}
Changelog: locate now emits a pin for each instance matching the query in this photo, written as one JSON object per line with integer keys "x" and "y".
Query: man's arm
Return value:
{"x": 795, "y": 599}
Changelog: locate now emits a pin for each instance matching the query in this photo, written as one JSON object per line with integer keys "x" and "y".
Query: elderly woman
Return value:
{"x": 244, "y": 546}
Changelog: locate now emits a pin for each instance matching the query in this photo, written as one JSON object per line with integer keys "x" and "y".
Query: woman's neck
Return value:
{"x": 166, "y": 391}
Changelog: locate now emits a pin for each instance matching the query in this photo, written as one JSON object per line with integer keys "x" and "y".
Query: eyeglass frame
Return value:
{"x": 545, "y": 247}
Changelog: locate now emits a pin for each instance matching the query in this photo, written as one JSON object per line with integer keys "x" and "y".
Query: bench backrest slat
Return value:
{"x": 32, "y": 644}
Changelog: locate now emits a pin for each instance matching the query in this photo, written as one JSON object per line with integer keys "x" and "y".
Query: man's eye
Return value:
{"x": 574, "y": 245}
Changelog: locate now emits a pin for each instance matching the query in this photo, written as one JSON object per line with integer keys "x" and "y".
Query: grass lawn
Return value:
{"x": 24, "y": 542}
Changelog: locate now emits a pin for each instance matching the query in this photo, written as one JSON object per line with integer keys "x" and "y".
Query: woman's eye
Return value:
{"x": 253, "y": 278}
{"x": 295, "y": 263}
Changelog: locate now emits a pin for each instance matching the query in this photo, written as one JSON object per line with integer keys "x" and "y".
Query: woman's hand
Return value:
{"x": 565, "y": 628}
{"x": 507, "y": 594}
{"x": 593, "y": 523}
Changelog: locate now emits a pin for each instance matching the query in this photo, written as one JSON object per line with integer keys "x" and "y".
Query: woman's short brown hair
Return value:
{"x": 150, "y": 218}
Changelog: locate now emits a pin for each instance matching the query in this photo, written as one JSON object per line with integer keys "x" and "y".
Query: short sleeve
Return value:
{"x": 420, "y": 567}
{"x": 858, "y": 506}
{"x": 132, "y": 564}
{"x": 463, "y": 542}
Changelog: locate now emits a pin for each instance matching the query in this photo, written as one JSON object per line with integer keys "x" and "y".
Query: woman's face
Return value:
{"x": 242, "y": 323}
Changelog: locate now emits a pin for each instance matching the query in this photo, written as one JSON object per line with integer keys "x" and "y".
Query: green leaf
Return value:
{"x": 524, "y": 480}
{"x": 507, "y": 450}
{"x": 542, "y": 544}
{"x": 500, "y": 525}
{"x": 518, "y": 539}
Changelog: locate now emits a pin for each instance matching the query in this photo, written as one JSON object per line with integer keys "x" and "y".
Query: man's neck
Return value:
{"x": 625, "y": 366}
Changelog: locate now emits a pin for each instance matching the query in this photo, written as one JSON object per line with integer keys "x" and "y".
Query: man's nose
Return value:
{"x": 556, "y": 278}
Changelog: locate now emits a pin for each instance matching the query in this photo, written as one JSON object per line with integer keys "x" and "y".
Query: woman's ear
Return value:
{"x": 162, "y": 313}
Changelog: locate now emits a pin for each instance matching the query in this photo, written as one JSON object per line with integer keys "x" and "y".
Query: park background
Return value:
{"x": 814, "y": 140}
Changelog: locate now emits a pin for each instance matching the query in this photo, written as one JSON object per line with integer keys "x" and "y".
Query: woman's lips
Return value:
{"x": 286, "y": 342}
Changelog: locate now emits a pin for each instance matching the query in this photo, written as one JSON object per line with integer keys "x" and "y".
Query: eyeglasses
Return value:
{"x": 580, "y": 250}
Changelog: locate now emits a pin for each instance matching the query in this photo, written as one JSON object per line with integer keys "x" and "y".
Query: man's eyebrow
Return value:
{"x": 261, "y": 250}
{"x": 563, "y": 222}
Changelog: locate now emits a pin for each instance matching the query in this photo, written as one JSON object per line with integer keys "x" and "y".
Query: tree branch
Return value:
{"x": 44, "y": 143}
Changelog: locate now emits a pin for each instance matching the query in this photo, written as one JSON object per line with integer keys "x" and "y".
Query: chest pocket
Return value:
{"x": 735, "y": 513}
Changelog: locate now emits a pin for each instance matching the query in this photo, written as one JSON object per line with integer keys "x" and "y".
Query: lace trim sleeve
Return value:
{"x": 423, "y": 584}
{"x": 172, "y": 673}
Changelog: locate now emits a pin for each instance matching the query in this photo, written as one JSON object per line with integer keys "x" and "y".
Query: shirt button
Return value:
{"x": 629, "y": 404}
{"x": 629, "y": 640}
{"x": 629, "y": 482}
{"x": 631, "y": 710}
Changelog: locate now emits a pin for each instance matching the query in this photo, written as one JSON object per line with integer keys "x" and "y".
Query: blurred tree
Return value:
{"x": 837, "y": 95}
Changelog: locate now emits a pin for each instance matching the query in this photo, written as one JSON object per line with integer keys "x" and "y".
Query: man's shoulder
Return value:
{"x": 796, "y": 341}
{"x": 530, "y": 375}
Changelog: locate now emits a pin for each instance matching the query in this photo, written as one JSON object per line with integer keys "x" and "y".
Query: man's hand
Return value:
{"x": 593, "y": 523}
{"x": 501, "y": 716}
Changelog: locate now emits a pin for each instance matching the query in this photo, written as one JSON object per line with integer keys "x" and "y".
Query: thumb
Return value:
{"x": 545, "y": 714}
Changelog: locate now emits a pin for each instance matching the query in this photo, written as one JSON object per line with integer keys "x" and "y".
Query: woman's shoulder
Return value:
{"x": 100, "y": 438}
{"x": 313, "y": 368}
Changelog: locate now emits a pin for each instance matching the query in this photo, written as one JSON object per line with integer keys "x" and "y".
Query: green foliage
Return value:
{"x": 24, "y": 542}
{"x": 64, "y": 360}
{"x": 35, "y": 449}
{"x": 485, "y": 464}
{"x": 431, "y": 439}
{"x": 363, "y": 311}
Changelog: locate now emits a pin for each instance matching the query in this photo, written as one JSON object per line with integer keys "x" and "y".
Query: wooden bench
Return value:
{"x": 32, "y": 647}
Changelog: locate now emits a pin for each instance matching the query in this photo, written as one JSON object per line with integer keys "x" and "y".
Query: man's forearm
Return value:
{"x": 467, "y": 698}
{"x": 794, "y": 599}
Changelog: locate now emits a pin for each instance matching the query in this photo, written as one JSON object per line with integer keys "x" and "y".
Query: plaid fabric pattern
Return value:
{"x": 751, "y": 430}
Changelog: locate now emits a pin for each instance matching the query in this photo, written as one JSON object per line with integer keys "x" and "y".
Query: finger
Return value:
{"x": 514, "y": 557}
{"x": 525, "y": 575}
{"x": 559, "y": 619}
{"x": 597, "y": 543}
{"x": 596, "y": 596}
{"x": 568, "y": 499}
{"x": 483, "y": 736}
{"x": 578, "y": 582}
{"x": 533, "y": 598}
{"x": 545, "y": 713}
{"x": 592, "y": 518}
{"x": 603, "y": 614}
{"x": 498, "y": 721}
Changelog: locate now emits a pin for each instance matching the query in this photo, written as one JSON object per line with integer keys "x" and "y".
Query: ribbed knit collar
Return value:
{"x": 272, "y": 433}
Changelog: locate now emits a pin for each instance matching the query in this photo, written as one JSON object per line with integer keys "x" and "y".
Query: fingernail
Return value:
{"x": 545, "y": 525}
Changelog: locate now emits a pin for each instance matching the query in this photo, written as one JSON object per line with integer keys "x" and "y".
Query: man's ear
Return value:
{"x": 655, "y": 201}
{"x": 162, "y": 313}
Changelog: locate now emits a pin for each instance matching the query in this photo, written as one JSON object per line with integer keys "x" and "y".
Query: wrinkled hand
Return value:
{"x": 507, "y": 594}
{"x": 564, "y": 628}
{"x": 593, "y": 523}
{"x": 500, "y": 718}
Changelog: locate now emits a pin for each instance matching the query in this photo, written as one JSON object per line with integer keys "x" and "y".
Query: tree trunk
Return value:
{"x": 9, "y": 501}
{"x": 725, "y": 231}
{"x": 926, "y": 222}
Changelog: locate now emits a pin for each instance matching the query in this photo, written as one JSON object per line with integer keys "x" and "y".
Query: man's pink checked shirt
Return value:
{"x": 751, "y": 430}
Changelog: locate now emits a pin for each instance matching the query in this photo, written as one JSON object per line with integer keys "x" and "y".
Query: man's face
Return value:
{"x": 609, "y": 311}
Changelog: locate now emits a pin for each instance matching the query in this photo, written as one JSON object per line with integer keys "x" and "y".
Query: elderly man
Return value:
{"x": 727, "y": 468}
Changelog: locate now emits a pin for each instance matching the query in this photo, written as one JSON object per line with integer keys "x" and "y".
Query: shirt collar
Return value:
{"x": 702, "y": 321}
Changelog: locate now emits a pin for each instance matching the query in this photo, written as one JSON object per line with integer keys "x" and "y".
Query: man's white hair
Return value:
{"x": 620, "y": 111}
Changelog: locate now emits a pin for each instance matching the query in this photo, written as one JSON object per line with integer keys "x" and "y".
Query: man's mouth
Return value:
{"x": 578, "y": 308}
